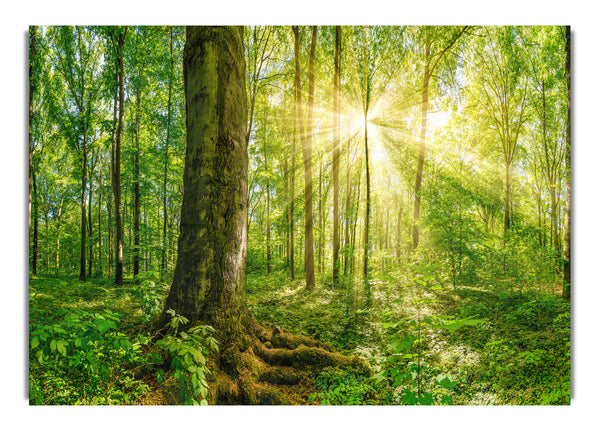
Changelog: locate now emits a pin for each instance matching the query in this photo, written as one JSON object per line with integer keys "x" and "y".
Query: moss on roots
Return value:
{"x": 270, "y": 367}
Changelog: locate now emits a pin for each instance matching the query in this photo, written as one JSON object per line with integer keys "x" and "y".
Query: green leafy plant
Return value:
{"x": 189, "y": 351}
{"x": 149, "y": 298}
{"x": 86, "y": 348}
{"x": 342, "y": 387}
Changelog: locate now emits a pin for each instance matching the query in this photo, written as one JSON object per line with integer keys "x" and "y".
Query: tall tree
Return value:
{"x": 567, "y": 231}
{"x": 118, "y": 39}
{"x": 209, "y": 284}
{"x": 166, "y": 155}
{"x": 309, "y": 265}
{"x": 32, "y": 90}
{"x": 336, "y": 153}
{"x": 309, "y": 256}
{"x": 33, "y": 58}
{"x": 504, "y": 102}
{"x": 78, "y": 64}
{"x": 430, "y": 42}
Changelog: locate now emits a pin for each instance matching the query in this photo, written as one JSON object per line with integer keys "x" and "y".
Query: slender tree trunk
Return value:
{"x": 89, "y": 224}
{"x": 567, "y": 229}
{"x": 309, "y": 260}
{"x": 117, "y": 162}
{"x": 100, "y": 214}
{"x": 83, "y": 212}
{"x": 166, "y": 165}
{"x": 399, "y": 234}
{"x": 58, "y": 219}
{"x": 320, "y": 213}
{"x": 506, "y": 200}
{"x": 354, "y": 227}
{"x": 423, "y": 140}
{"x": 336, "y": 154}
{"x": 348, "y": 213}
{"x": 32, "y": 53}
{"x": 268, "y": 230}
{"x": 292, "y": 198}
{"x": 110, "y": 238}
{"x": 136, "y": 185}
{"x": 367, "y": 208}
{"x": 34, "y": 257}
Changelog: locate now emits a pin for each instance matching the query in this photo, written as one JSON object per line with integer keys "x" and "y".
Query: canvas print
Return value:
{"x": 299, "y": 215}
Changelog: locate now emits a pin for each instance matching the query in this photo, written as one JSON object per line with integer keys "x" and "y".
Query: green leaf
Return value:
{"x": 35, "y": 341}
{"x": 52, "y": 345}
{"x": 61, "y": 347}
{"x": 103, "y": 326}
{"x": 447, "y": 383}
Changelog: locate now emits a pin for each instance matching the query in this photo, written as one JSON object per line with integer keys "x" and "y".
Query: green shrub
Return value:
{"x": 71, "y": 361}
{"x": 342, "y": 387}
{"x": 189, "y": 352}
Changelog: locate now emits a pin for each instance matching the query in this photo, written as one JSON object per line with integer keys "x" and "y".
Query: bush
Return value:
{"x": 71, "y": 361}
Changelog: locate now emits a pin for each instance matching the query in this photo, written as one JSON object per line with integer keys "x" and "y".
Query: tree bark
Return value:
{"x": 32, "y": 54}
{"x": 34, "y": 257}
{"x": 210, "y": 280}
{"x": 83, "y": 215}
{"x": 423, "y": 140}
{"x": 209, "y": 285}
{"x": 89, "y": 223}
{"x": 100, "y": 213}
{"x": 336, "y": 154}
{"x": 166, "y": 165}
{"x": 116, "y": 178}
{"x": 567, "y": 229}
{"x": 309, "y": 258}
{"x": 367, "y": 207}
{"x": 136, "y": 184}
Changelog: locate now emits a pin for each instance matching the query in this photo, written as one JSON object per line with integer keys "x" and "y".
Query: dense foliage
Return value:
{"x": 452, "y": 207}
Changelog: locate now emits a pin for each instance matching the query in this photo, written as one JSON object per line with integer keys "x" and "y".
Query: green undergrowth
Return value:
{"x": 426, "y": 342}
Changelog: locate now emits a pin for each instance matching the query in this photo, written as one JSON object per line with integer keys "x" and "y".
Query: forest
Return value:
{"x": 312, "y": 215}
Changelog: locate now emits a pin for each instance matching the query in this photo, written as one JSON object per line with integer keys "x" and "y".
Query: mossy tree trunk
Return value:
{"x": 209, "y": 286}
{"x": 209, "y": 281}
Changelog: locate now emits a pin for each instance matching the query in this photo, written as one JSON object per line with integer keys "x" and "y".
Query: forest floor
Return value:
{"x": 425, "y": 342}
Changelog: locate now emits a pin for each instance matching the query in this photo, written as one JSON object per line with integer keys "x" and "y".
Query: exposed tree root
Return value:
{"x": 271, "y": 367}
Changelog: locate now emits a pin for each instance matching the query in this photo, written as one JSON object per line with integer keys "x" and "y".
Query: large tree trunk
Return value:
{"x": 210, "y": 277}
{"x": 336, "y": 154}
{"x": 567, "y": 229}
{"x": 116, "y": 179}
{"x": 209, "y": 284}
